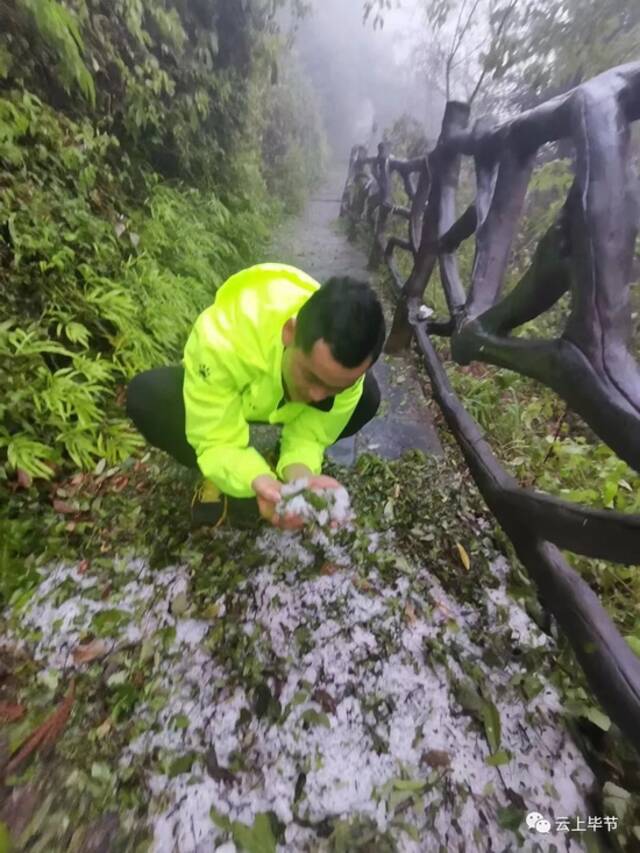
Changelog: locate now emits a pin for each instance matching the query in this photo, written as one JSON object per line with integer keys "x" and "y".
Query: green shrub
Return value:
{"x": 95, "y": 294}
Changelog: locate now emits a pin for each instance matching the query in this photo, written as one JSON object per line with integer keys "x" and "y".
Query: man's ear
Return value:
{"x": 289, "y": 332}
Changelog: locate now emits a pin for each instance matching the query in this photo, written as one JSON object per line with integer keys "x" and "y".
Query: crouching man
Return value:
{"x": 275, "y": 347}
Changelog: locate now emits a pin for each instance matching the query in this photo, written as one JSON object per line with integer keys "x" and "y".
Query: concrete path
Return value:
{"x": 316, "y": 243}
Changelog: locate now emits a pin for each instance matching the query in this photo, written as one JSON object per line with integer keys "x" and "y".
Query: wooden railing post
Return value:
{"x": 588, "y": 250}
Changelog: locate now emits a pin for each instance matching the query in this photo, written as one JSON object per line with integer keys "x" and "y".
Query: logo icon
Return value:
{"x": 538, "y": 822}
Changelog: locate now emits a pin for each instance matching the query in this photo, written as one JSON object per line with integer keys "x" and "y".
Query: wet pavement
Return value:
{"x": 316, "y": 243}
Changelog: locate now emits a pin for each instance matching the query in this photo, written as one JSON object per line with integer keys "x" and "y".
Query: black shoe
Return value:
{"x": 209, "y": 508}
{"x": 243, "y": 512}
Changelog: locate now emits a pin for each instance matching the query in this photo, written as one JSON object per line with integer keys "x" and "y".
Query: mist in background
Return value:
{"x": 364, "y": 77}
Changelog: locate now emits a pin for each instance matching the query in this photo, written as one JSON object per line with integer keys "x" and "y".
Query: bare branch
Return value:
{"x": 459, "y": 33}
{"x": 498, "y": 39}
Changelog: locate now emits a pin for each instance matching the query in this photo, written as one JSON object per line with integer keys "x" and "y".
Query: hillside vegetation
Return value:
{"x": 144, "y": 147}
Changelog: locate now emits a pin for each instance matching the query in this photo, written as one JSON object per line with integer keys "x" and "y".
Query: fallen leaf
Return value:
{"x": 71, "y": 526}
{"x": 119, "y": 483}
{"x": 497, "y": 759}
{"x": 464, "y": 557}
{"x": 90, "y": 651}
{"x": 325, "y": 699}
{"x": 300, "y": 783}
{"x": 83, "y": 566}
{"x": 104, "y": 728}
{"x": 436, "y": 758}
{"x": 491, "y": 720}
{"x": 328, "y": 568}
{"x": 313, "y": 718}
{"x": 442, "y": 606}
{"x": 11, "y": 711}
{"x": 212, "y": 611}
{"x": 63, "y": 507}
{"x": 410, "y": 613}
{"x": 215, "y": 770}
{"x": 47, "y": 732}
{"x": 24, "y": 478}
{"x": 180, "y": 604}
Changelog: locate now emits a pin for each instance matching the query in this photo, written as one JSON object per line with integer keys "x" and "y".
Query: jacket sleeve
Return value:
{"x": 305, "y": 438}
{"x": 215, "y": 425}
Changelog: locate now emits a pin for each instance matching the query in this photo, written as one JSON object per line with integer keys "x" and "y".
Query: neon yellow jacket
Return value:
{"x": 232, "y": 361}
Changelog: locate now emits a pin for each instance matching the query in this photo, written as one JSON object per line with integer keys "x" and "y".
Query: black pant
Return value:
{"x": 156, "y": 406}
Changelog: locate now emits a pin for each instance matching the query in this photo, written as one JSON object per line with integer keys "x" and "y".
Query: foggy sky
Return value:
{"x": 364, "y": 76}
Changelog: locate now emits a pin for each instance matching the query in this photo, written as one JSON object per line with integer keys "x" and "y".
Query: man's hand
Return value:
{"x": 298, "y": 471}
{"x": 268, "y": 494}
{"x": 267, "y": 491}
{"x": 321, "y": 481}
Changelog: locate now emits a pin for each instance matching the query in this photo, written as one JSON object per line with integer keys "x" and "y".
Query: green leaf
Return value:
{"x": 5, "y": 838}
{"x": 315, "y": 718}
{"x": 499, "y": 758}
{"x": 180, "y": 604}
{"x": 118, "y": 678}
{"x": 77, "y": 333}
{"x": 398, "y": 797}
{"x": 30, "y": 455}
{"x": 616, "y": 800}
{"x": 220, "y": 820}
{"x": 467, "y": 695}
{"x": 634, "y": 642}
{"x": 597, "y": 717}
{"x": 101, "y": 772}
{"x": 408, "y": 784}
{"x": 59, "y": 29}
{"x": 491, "y": 720}
{"x": 182, "y": 764}
{"x": 147, "y": 649}
{"x": 108, "y": 622}
{"x": 258, "y": 838}
{"x": 590, "y": 712}
{"x": 180, "y": 721}
{"x": 299, "y": 697}
{"x": 510, "y": 817}
{"x": 531, "y": 686}
{"x": 50, "y": 678}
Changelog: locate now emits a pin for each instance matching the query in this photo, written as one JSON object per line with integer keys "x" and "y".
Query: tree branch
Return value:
{"x": 498, "y": 39}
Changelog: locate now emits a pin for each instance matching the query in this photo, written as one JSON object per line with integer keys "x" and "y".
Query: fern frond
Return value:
{"x": 58, "y": 28}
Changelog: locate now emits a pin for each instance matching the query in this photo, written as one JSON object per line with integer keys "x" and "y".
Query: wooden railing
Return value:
{"x": 588, "y": 252}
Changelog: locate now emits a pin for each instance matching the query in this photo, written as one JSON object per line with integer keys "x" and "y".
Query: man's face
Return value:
{"x": 314, "y": 376}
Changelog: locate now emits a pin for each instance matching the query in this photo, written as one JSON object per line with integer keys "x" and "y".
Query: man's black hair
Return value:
{"x": 346, "y": 313}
